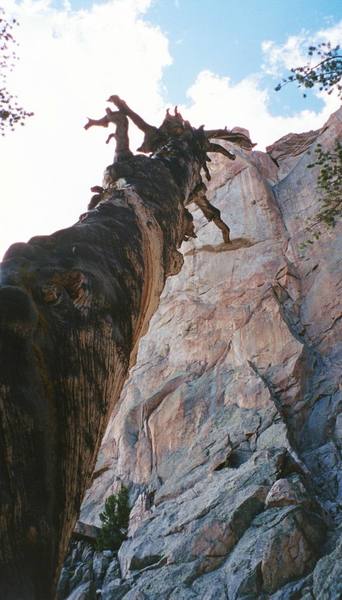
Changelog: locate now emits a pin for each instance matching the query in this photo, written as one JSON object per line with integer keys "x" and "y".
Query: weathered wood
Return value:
{"x": 73, "y": 306}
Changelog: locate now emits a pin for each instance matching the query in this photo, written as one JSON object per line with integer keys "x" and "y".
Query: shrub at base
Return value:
{"x": 115, "y": 518}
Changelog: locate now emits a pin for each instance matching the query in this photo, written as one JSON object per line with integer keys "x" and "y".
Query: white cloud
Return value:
{"x": 216, "y": 102}
{"x": 70, "y": 63}
{"x": 331, "y": 34}
{"x": 293, "y": 52}
{"x": 285, "y": 56}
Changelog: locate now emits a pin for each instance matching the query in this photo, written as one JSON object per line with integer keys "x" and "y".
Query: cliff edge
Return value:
{"x": 228, "y": 432}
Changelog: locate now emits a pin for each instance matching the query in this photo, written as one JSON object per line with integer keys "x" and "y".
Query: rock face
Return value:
{"x": 227, "y": 432}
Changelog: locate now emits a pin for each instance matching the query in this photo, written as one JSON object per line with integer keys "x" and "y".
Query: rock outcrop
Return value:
{"x": 228, "y": 432}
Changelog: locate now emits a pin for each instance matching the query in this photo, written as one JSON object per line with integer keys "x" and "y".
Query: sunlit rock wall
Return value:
{"x": 228, "y": 432}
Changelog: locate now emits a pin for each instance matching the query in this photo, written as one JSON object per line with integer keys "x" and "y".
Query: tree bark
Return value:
{"x": 73, "y": 306}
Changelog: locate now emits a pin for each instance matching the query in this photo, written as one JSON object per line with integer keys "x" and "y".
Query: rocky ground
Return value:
{"x": 228, "y": 433}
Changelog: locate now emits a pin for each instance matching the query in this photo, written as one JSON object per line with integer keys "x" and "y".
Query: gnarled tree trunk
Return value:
{"x": 73, "y": 306}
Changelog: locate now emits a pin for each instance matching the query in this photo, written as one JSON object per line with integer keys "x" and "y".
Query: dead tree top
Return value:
{"x": 173, "y": 126}
{"x": 158, "y": 141}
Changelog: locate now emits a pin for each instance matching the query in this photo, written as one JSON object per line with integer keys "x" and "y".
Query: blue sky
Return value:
{"x": 225, "y": 36}
{"x": 219, "y": 60}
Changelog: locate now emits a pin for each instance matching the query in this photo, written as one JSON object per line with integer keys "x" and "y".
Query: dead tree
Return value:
{"x": 73, "y": 306}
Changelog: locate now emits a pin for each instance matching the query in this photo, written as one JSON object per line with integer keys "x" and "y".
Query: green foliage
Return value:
{"x": 329, "y": 184}
{"x": 11, "y": 113}
{"x": 114, "y": 518}
{"x": 326, "y": 74}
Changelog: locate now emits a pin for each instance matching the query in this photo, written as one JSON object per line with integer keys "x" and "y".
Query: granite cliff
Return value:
{"x": 228, "y": 431}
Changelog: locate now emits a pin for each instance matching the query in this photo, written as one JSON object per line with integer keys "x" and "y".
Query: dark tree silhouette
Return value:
{"x": 11, "y": 113}
{"x": 73, "y": 306}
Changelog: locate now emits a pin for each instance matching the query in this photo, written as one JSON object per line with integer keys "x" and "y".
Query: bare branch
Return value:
{"x": 122, "y": 151}
{"x": 152, "y": 135}
{"x": 210, "y": 212}
{"x": 159, "y": 140}
{"x": 235, "y": 137}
